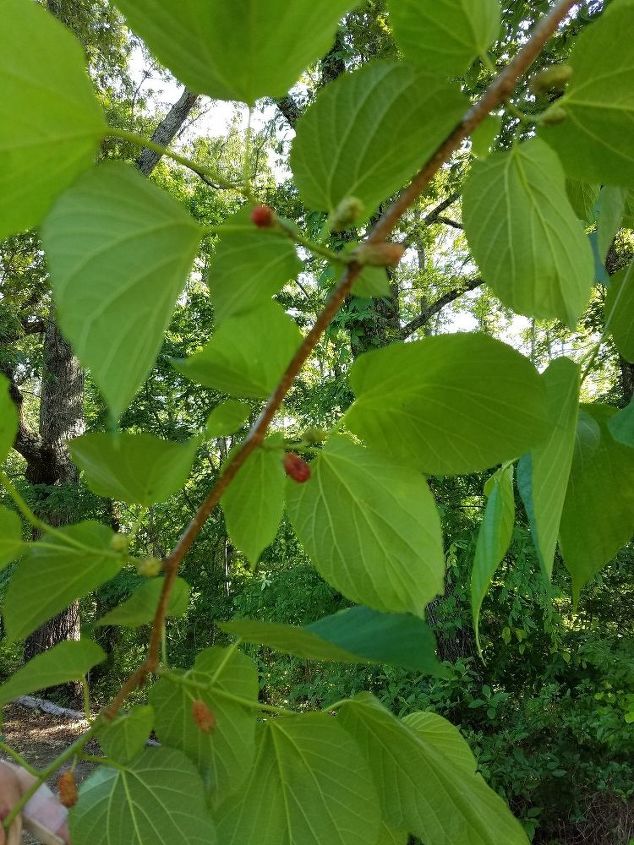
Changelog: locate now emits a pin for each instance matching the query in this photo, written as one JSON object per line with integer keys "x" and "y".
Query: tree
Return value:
{"x": 120, "y": 250}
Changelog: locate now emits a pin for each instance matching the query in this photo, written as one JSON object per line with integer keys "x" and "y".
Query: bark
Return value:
{"x": 378, "y": 328}
{"x": 61, "y": 418}
{"x": 289, "y": 109}
{"x": 167, "y": 130}
{"x": 627, "y": 380}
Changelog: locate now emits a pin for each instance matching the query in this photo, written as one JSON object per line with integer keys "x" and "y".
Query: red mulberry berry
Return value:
{"x": 263, "y": 216}
{"x": 296, "y": 468}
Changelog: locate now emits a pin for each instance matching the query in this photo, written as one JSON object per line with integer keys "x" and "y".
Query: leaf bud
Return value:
{"x": 314, "y": 435}
{"x": 554, "y": 116}
{"x": 379, "y": 255}
{"x": 67, "y": 789}
{"x": 263, "y": 216}
{"x": 296, "y": 468}
{"x": 149, "y": 567}
{"x": 345, "y": 214}
{"x": 552, "y": 78}
{"x": 203, "y": 716}
{"x": 120, "y": 542}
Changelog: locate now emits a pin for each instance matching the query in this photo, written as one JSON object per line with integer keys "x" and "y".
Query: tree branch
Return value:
{"x": 289, "y": 109}
{"x": 166, "y": 131}
{"x": 501, "y": 88}
{"x": 449, "y": 222}
{"x": 427, "y": 313}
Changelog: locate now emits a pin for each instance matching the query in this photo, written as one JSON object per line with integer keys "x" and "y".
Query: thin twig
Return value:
{"x": 499, "y": 91}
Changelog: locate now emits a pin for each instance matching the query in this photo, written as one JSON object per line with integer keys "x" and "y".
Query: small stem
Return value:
{"x": 102, "y": 761}
{"x": 42, "y": 526}
{"x": 228, "y": 696}
{"x": 19, "y": 759}
{"x": 50, "y": 770}
{"x": 86, "y": 699}
{"x": 313, "y": 246}
{"x": 200, "y": 169}
{"x": 22, "y": 506}
{"x": 591, "y": 358}
{"x": 227, "y": 657}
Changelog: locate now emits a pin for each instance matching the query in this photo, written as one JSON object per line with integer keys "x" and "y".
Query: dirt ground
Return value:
{"x": 40, "y": 737}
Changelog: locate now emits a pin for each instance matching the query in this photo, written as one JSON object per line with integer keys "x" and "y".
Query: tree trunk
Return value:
{"x": 627, "y": 380}
{"x": 61, "y": 418}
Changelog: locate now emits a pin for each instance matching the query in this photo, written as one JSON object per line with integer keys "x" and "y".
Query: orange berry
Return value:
{"x": 67, "y": 789}
{"x": 203, "y": 716}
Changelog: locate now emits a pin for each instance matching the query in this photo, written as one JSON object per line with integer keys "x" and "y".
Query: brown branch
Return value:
{"x": 427, "y": 313}
{"x": 497, "y": 93}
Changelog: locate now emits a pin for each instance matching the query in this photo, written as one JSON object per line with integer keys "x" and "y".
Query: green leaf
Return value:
{"x": 621, "y": 425}
{"x": 254, "y": 502}
{"x": 543, "y": 474}
{"x": 127, "y": 735}
{"x": 583, "y": 199}
{"x": 594, "y": 142}
{"x": 619, "y": 312}
{"x": 224, "y": 755}
{"x": 494, "y": 539}
{"x": 241, "y": 50}
{"x": 447, "y": 35}
{"x": 66, "y": 661}
{"x": 427, "y": 780}
{"x": 158, "y": 799}
{"x": 50, "y": 121}
{"x": 310, "y": 786}
{"x": 226, "y": 418}
{"x": 602, "y": 472}
{"x": 247, "y": 354}
{"x": 449, "y": 405}
{"x": 55, "y": 571}
{"x": 611, "y": 210}
{"x": 370, "y": 527}
{"x": 140, "y": 608}
{"x": 373, "y": 281}
{"x": 11, "y": 545}
{"x": 524, "y": 235}
{"x": 8, "y": 419}
{"x": 136, "y": 468}
{"x": 345, "y": 141}
{"x": 391, "y": 837}
{"x": 354, "y": 635}
{"x": 249, "y": 266}
{"x": 119, "y": 250}
{"x": 483, "y": 137}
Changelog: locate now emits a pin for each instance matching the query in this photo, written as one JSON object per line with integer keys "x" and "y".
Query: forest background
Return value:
{"x": 548, "y": 711}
